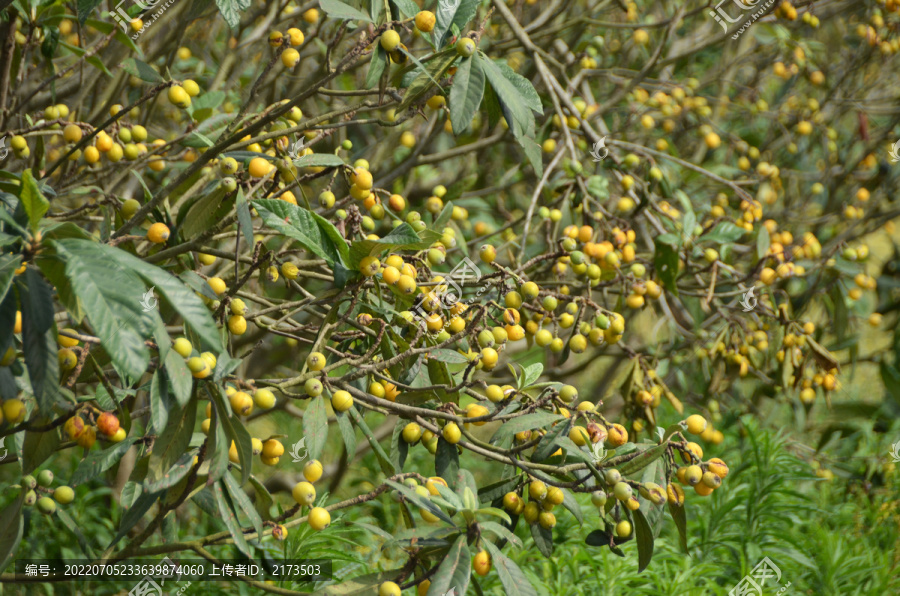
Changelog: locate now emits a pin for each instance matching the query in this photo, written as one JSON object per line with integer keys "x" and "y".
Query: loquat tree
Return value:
{"x": 475, "y": 264}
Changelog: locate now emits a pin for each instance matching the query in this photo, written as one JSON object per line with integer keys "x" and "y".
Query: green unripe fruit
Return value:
{"x": 30, "y": 498}
{"x": 45, "y": 478}
{"x": 569, "y": 244}
{"x": 64, "y": 495}
{"x": 567, "y": 393}
{"x": 29, "y": 481}
{"x": 530, "y": 290}
{"x": 228, "y": 184}
{"x": 485, "y": 339}
{"x": 347, "y": 144}
{"x": 577, "y": 257}
{"x": 622, "y": 491}
{"x": 465, "y": 47}
{"x": 436, "y": 257}
{"x": 313, "y": 387}
{"x": 612, "y": 476}
{"x": 602, "y": 321}
{"x": 326, "y": 199}
{"x": 46, "y": 506}
{"x": 513, "y": 300}
{"x": 598, "y": 498}
{"x": 550, "y": 303}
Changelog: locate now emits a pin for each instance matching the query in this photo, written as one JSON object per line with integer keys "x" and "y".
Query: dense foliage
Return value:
{"x": 500, "y": 297}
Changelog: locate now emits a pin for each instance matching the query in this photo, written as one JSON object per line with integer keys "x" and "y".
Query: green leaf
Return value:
{"x": 449, "y": 13}
{"x": 98, "y": 462}
{"x": 403, "y": 236}
{"x": 339, "y": 10}
{"x": 598, "y": 187}
{"x": 298, "y": 223}
{"x": 665, "y": 260}
{"x": 724, "y": 233}
{"x": 531, "y": 374}
{"x": 518, "y": 115}
{"x": 172, "y": 442}
{"x": 230, "y": 10}
{"x": 234, "y": 431}
{"x": 643, "y": 460}
{"x": 348, "y": 433}
{"x": 319, "y": 160}
{"x": 455, "y": 570}
{"x": 407, "y": 7}
{"x": 315, "y": 426}
{"x": 182, "y": 299}
{"x": 511, "y": 577}
{"x": 33, "y": 201}
{"x": 37, "y": 447}
{"x": 173, "y": 475}
{"x": 526, "y": 90}
{"x": 446, "y": 460}
{"x": 678, "y": 514}
{"x": 8, "y": 266}
{"x": 85, "y": 7}
{"x": 763, "y": 242}
{"x": 228, "y": 515}
{"x": 142, "y": 70}
{"x": 133, "y": 515}
{"x": 419, "y": 501}
{"x": 377, "y": 65}
{"x": 466, "y": 93}
{"x": 240, "y": 498}
{"x": 439, "y": 64}
{"x": 179, "y": 377}
{"x": 111, "y": 297}
{"x": 12, "y": 522}
{"x": 548, "y": 444}
{"x": 543, "y": 539}
{"x": 644, "y": 535}
{"x": 207, "y": 211}
{"x": 67, "y": 520}
{"x": 242, "y": 208}
{"x": 500, "y": 531}
{"x": 263, "y": 500}
{"x": 39, "y": 339}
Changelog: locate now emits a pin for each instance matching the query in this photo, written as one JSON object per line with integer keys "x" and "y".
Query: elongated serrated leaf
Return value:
{"x": 455, "y": 570}
{"x": 384, "y": 461}
{"x": 377, "y": 65}
{"x": 173, "y": 475}
{"x": 319, "y": 160}
{"x": 12, "y": 522}
{"x": 500, "y": 531}
{"x": 85, "y": 7}
{"x": 449, "y": 13}
{"x": 315, "y": 426}
{"x": 407, "y": 7}
{"x": 133, "y": 515}
{"x": 32, "y": 200}
{"x": 179, "y": 377}
{"x": 230, "y": 10}
{"x": 466, "y": 93}
{"x": 543, "y": 539}
{"x": 159, "y": 400}
{"x": 424, "y": 81}
{"x": 643, "y": 460}
{"x": 240, "y": 498}
{"x": 419, "y": 501}
{"x": 98, "y": 462}
{"x": 141, "y": 70}
{"x": 526, "y": 90}
{"x": 446, "y": 460}
{"x": 39, "y": 339}
{"x": 37, "y": 447}
{"x": 8, "y": 266}
{"x": 511, "y": 577}
{"x": 263, "y": 501}
{"x": 348, "y": 434}
{"x": 228, "y": 515}
{"x": 299, "y": 224}
{"x": 237, "y": 432}
{"x": 680, "y": 518}
{"x": 518, "y": 115}
{"x": 112, "y": 298}
{"x": 182, "y": 299}
{"x": 644, "y": 536}
{"x": 83, "y": 543}
{"x": 172, "y": 441}
{"x": 338, "y": 10}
